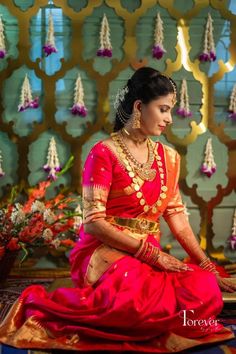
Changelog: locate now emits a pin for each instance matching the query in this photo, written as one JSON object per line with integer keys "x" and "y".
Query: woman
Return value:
{"x": 129, "y": 294}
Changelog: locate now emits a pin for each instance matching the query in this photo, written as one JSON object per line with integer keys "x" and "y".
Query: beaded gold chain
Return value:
{"x": 132, "y": 172}
{"x": 144, "y": 170}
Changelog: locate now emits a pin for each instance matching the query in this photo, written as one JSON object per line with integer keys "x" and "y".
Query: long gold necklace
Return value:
{"x": 135, "y": 181}
{"x": 143, "y": 170}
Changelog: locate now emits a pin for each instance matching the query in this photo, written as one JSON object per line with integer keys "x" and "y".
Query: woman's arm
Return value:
{"x": 182, "y": 231}
{"x": 111, "y": 236}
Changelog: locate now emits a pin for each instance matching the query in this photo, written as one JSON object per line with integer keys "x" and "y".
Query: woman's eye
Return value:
{"x": 163, "y": 110}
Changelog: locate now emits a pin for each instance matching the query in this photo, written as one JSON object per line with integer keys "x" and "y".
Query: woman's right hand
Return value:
{"x": 170, "y": 263}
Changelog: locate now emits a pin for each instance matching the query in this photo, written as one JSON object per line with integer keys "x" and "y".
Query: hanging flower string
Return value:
{"x": 78, "y": 107}
{"x": 26, "y": 99}
{"x": 208, "y": 167}
{"x": 105, "y": 49}
{"x": 53, "y": 165}
{"x": 2, "y": 173}
{"x": 184, "y": 110}
{"x": 50, "y": 46}
{"x": 232, "y": 239}
{"x": 232, "y": 105}
{"x": 158, "y": 49}
{"x": 2, "y": 40}
{"x": 209, "y": 52}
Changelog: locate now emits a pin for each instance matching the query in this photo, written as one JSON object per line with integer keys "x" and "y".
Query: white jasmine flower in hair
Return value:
{"x": 120, "y": 96}
{"x": 38, "y": 206}
{"x": 47, "y": 234}
{"x": 49, "y": 216}
{"x": 18, "y": 215}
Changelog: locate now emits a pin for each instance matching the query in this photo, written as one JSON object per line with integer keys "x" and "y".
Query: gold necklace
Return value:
{"x": 144, "y": 170}
{"x": 135, "y": 181}
{"x": 131, "y": 137}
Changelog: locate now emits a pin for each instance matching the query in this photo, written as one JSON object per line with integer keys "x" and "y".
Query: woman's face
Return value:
{"x": 156, "y": 115}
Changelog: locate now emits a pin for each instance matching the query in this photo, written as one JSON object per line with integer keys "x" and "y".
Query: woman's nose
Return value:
{"x": 168, "y": 118}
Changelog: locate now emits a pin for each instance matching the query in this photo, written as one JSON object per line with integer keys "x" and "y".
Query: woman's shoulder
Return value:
{"x": 103, "y": 146}
{"x": 171, "y": 153}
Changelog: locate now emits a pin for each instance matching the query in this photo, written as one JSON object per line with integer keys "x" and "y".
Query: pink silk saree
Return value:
{"x": 119, "y": 303}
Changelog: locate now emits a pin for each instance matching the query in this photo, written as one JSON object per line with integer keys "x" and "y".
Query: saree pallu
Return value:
{"x": 118, "y": 302}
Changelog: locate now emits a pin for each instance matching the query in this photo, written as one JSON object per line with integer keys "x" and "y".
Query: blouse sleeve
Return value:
{"x": 175, "y": 204}
{"x": 97, "y": 179}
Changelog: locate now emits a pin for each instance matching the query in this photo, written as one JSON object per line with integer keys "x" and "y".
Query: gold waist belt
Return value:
{"x": 137, "y": 225}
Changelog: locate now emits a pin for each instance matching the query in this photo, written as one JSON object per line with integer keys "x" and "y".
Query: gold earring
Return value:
{"x": 136, "y": 120}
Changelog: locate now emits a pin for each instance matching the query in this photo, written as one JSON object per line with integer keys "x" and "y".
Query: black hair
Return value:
{"x": 146, "y": 84}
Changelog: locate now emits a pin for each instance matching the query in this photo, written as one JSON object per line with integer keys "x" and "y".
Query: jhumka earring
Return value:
{"x": 136, "y": 116}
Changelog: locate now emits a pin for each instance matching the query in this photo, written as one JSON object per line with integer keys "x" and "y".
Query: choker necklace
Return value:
{"x": 131, "y": 137}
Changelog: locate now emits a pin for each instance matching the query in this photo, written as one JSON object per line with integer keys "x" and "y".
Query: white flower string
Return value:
{"x": 232, "y": 105}
{"x": 78, "y": 107}
{"x": 158, "y": 49}
{"x": 53, "y": 165}
{"x": 209, "y": 166}
{"x": 184, "y": 110}
{"x": 2, "y": 173}
{"x": 233, "y": 235}
{"x": 2, "y": 40}
{"x": 26, "y": 99}
{"x": 50, "y": 46}
{"x": 209, "y": 52}
{"x": 105, "y": 49}
{"x": 120, "y": 96}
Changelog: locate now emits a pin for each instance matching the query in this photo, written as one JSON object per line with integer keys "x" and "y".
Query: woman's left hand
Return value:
{"x": 226, "y": 284}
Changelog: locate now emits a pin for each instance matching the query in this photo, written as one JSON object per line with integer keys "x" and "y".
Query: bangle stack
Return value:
{"x": 208, "y": 265}
{"x": 148, "y": 253}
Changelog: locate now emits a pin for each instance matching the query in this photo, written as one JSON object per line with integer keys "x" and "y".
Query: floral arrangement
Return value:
{"x": 158, "y": 50}
{"x": 232, "y": 239}
{"x": 3, "y": 51}
{"x": 52, "y": 167}
{"x": 50, "y": 46}
{"x": 105, "y": 49}
{"x": 184, "y": 110}
{"x": 39, "y": 221}
{"x": 79, "y": 107}
{"x": 2, "y": 173}
{"x": 232, "y": 105}
{"x": 26, "y": 99}
{"x": 209, "y": 166}
{"x": 209, "y": 51}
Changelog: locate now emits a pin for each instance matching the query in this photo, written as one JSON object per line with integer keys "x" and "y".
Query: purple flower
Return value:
{"x": 232, "y": 115}
{"x": 22, "y": 108}
{"x": 232, "y": 241}
{"x": 2, "y": 53}
{"x": 183, "y": 112}
{"x": 46, "y": 168}
{"x": 104, "y": 52}
{"x": 58, "y": 168}
{"x": 204, "y": 57}
{"x": 212, "y": 56}
{"x": 49, "y": 49}
{"x": 157, "y": 52}
{"x": 34, "y": 103}
{"x": 2, "y": 174}
{"x": 78, "y": 110}
{"x": 207, "y": 170}
{"x": 52, "y": 176}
